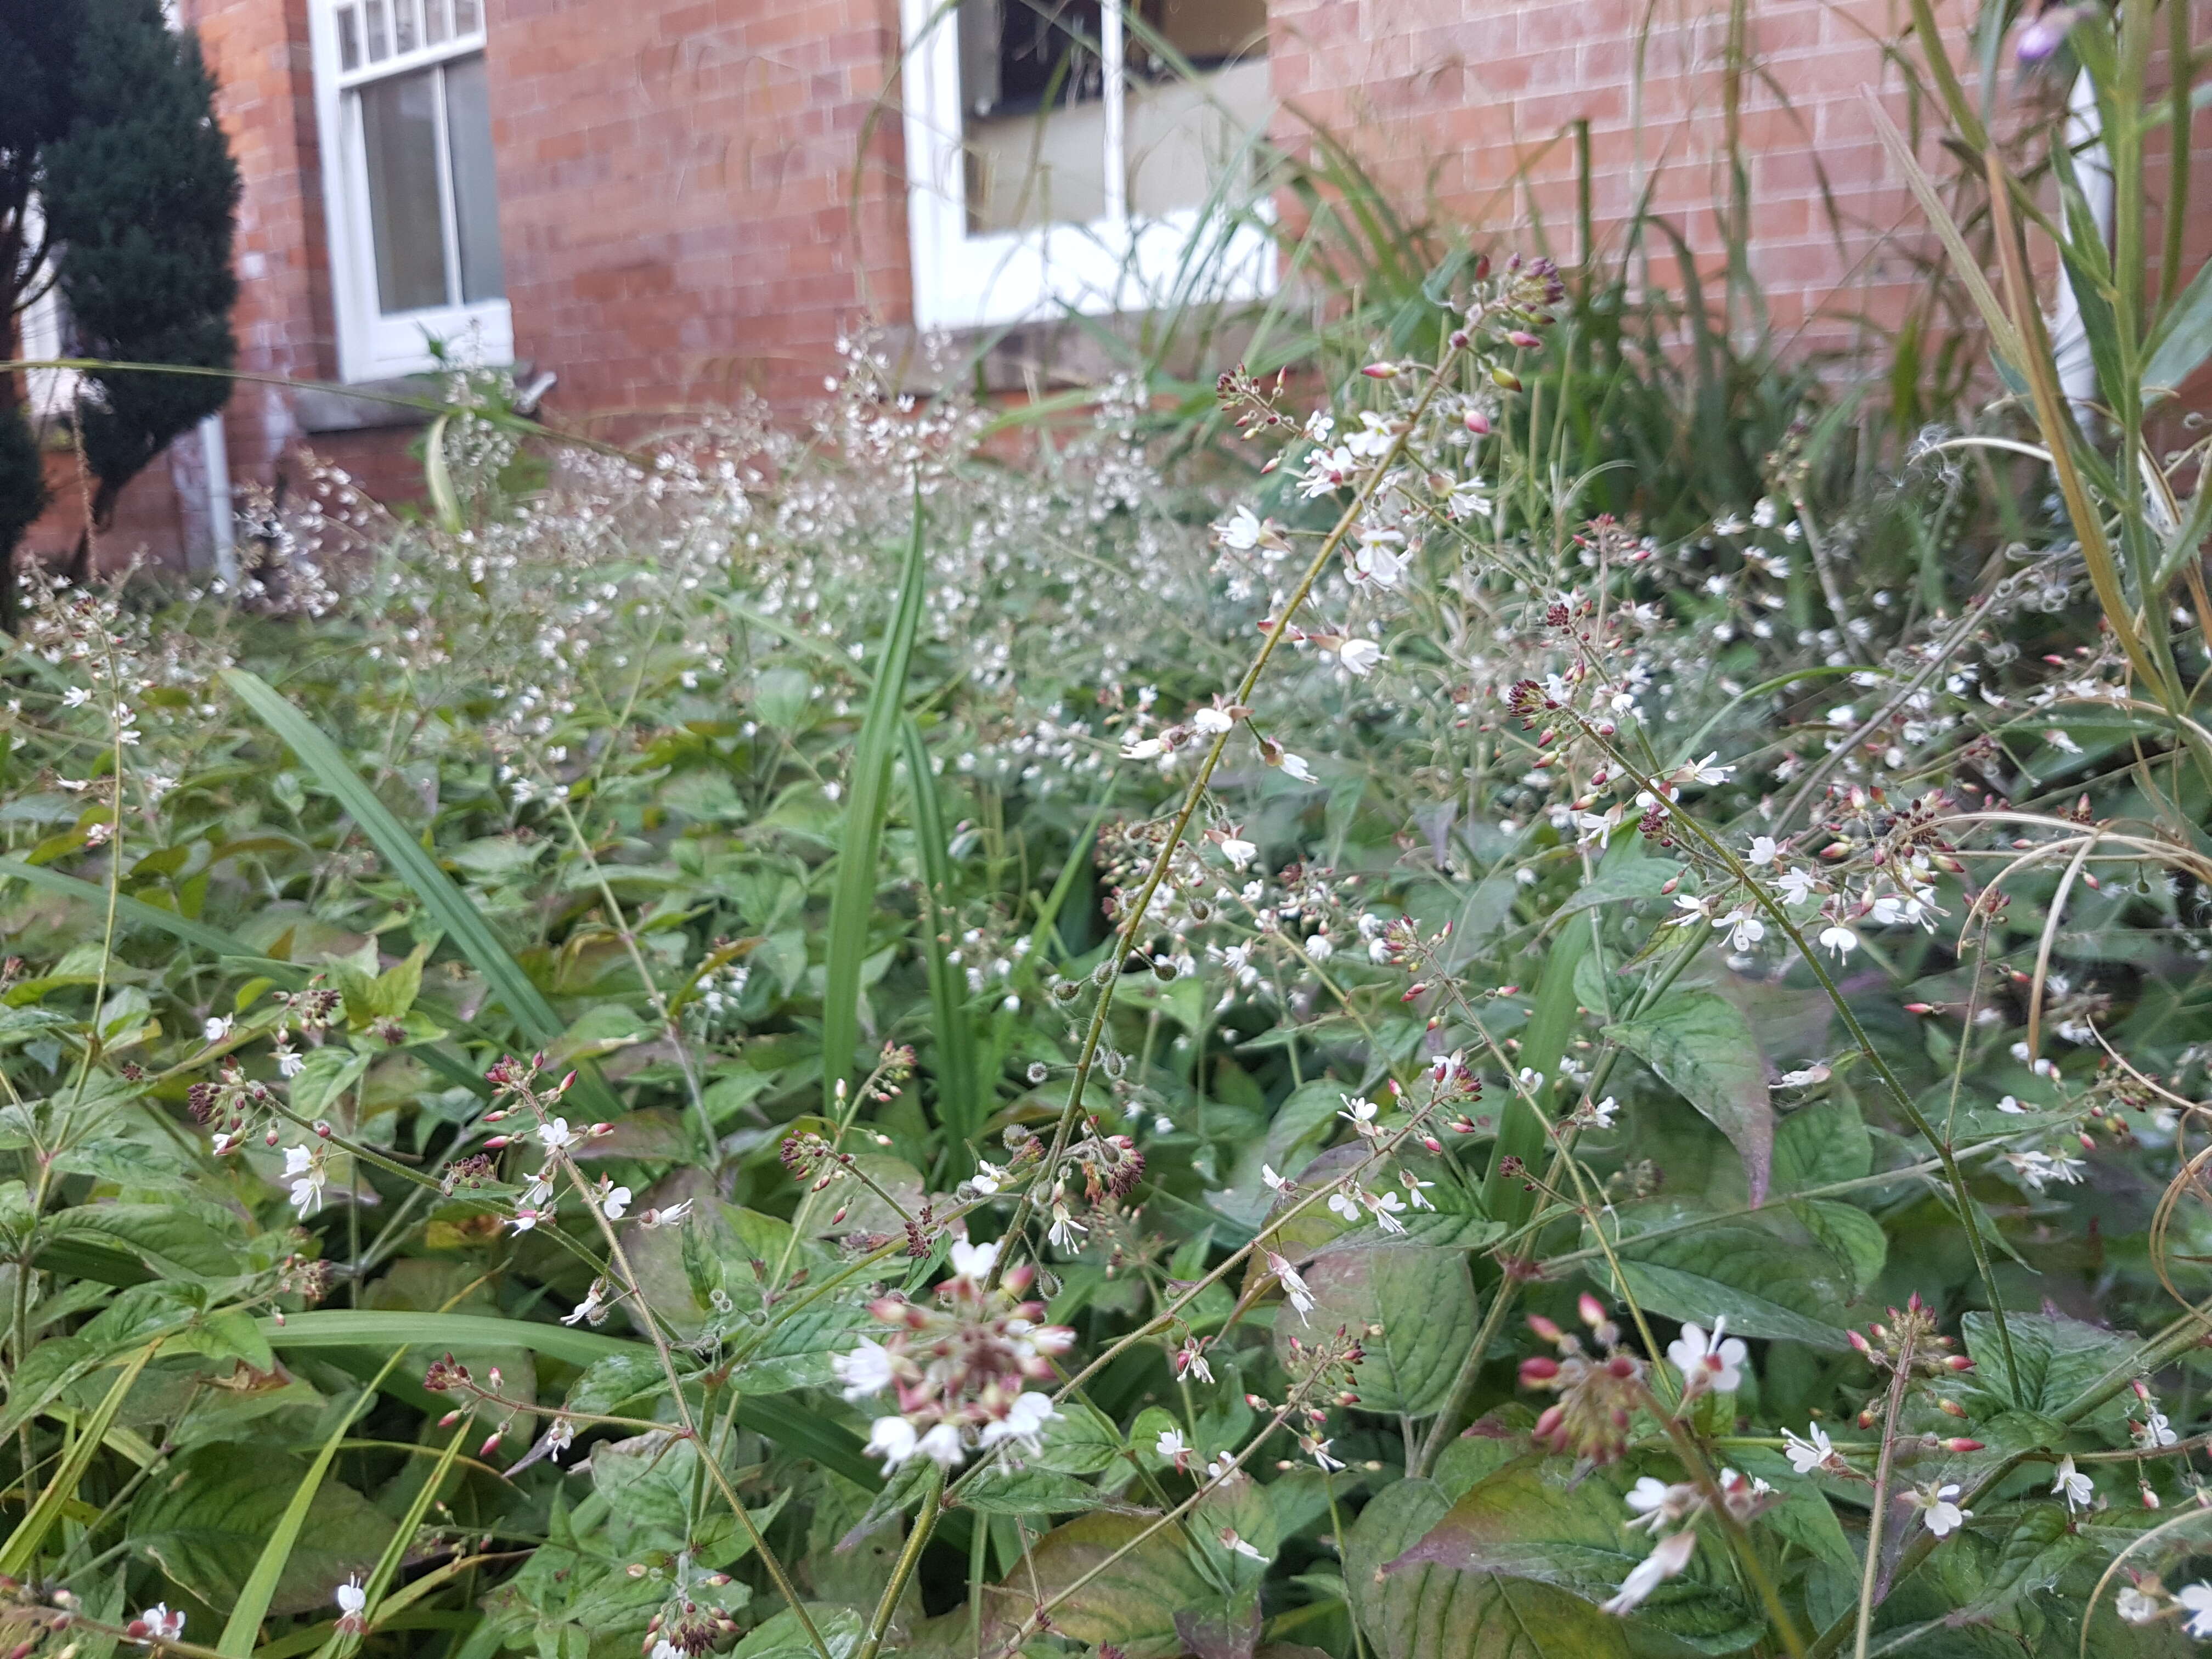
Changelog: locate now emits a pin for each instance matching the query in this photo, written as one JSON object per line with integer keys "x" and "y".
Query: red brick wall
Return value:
{"x": 677, "y": 203}
{"x": 257, "y": 52}
{"x": 1464, "y": 108}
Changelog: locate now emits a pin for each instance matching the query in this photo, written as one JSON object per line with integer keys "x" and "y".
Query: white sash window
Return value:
{"x": 1095, "y": 155}
{"x": 408, "y": 189}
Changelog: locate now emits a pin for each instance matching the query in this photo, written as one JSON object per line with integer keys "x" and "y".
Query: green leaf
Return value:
{"x": 1620, "y": 882}
{"x": 2042, "y": 1544}
{"x": 2059, "y": 1358}
{"x": 1423, "y": 1611}
{"x": 961, "y": 1105}
{"x": 2183, "y": 339}
{"x": 208, "y": 1523}
{"x": 784, "y": 1637}
{"x": 1534, "y": 1519}
{"x": 1763, "y": 1285}
{"x": 867, "y": 801}
{"x": 459, "y": 919}
{"x": 23, "y": 1546}
{"x": 1079, "y": 1441}
{"x": 1702, "y": 1046}
{"x": 1424, "y": 1300}
{"x": 1819, "y": 1145}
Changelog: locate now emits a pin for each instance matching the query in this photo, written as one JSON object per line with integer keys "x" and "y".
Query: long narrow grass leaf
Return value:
{"x": 448, "y": 905}
{"x": 867, "y": 798}
{"x": 960, "y": 1106}
{"x": 23, "y": 1546}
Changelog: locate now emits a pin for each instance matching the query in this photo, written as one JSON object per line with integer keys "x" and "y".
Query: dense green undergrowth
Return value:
{"x": 1253, "y": 1032}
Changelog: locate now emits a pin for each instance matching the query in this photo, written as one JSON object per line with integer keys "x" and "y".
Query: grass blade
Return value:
{"x": 867, "y": 798}
{"x": 23, "y": 1546}
{"x": 961, "y": 1110}
{"x": 438, "y": 478}
{"x": 526, "y": 1005}
{"x": 241, "y": 1630}
{"x": 387, "y": 1565}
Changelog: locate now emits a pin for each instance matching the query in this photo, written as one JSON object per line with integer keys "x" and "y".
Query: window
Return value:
{"x": 408, "y": 183}
{"x": 1092, "y": 154}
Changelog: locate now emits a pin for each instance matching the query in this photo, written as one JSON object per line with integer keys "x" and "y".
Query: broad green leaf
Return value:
{"x": 1702, "y": 1046}
{"x": 1534, "y": 1519}
{"x": 1423, "y": 1299}
{"x": 1762, "y": 1284}
{"x": 1427, "y": 1612}
{"x": 1850, "y": 1235}
{"x": 2059, "y": 1359}
{"x": 1619, "y": 883}
{"x": 207, "y": 1521}
{"x": 783, "y": 1638}
{"x": 1821, "y": 1145}
{"x": 1131, "y": 1603}
{"x": 1079, "y": 1441}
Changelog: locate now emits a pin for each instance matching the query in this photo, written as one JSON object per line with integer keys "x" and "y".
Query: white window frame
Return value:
{"x": 372, "y": 346}
{"x": 1114, "y": 263}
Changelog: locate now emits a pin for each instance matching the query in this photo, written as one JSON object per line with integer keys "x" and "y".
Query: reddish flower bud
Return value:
{"x": 1538, "y": 1369}
{"x": 1381, "y": 370}
{"x": 1478, "y": 423}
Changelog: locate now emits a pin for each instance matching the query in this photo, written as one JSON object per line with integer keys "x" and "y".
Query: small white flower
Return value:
{"x": 893, "y": 1437}
{"x": 1171, "y": 1447}
{"x": 2134, "y": 1607}
{"x": 1141, "y": 749}
{"x": 2078, "y": 1489}
{"x": 1318, "y": 1449}
{"x": 1295, "y": 767}
{"x": 352, "y": 1598}
{"x": 1667, "y": 1558}
{"x": 1414, "y": 1188}
{"x": 1212, "y": 721}
{"x": 1359, "y": 656}
{"x": 1300, "y": 1298}
{"x": 1839, "y": 939}
{"x": 1275, "y": 1183}
{"x": 161, "y": 1624}
{"x": 76, "y": 697}
{"x": 303, "y": 1167}
{"x": 615, "y": 1202}
{"x": 1385, "y": 1208}
{"x": 1705, "y": 771}
{"x": 1796, "y": 886}
{"x": 555, "y": 1134}
{"x": 1599, "y": 1115}
{"x": 2010, "y": 1106}
{"x": 289, "y": 1063}
{"x": 866, "y": 1371}
{"x": 1238, "y": 852}
{"x": 2197, "y": 1598}
{"x": 1344, "y": 1204}
{"x": 1240, "y": 530}
{"x": 1939, "y": 1507}
{"x": 1708, "y": 1362}
{"x": 941, "y": 1446}
{"x": 973, "y": 1262}
{"x": 1808, "y": 1452}
{"x": 1763, "y": 851}
{"x": 2158, "y": 1432}
{"x": 218, "y": 1030}
{"x": 1230, "y": 1538}
{"x": 1023, "y": 1425}
{"x": 560, "y": 1435}
{"x": 592, "y": 1308}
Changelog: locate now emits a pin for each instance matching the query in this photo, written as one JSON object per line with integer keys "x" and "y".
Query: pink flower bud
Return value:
{"x": 490, "y": 1446}
{"x": 1524, "y": 338}
{"x": 497, "y": 1141}
{"x": 1962, "y": 1445}
{"x": 1478, "y": 423}
{"x": 1544, "y": 1328}
{"x": 1381, "y": 370}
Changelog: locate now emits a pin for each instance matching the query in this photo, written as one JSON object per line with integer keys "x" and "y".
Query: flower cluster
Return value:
{"x": 959, "y": 1369}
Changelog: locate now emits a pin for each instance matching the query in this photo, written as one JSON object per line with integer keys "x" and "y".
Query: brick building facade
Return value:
{"x": 667, "y": 202}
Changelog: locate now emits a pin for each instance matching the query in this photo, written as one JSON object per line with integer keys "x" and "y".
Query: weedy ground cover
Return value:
{"x": 1423, "y": 1022}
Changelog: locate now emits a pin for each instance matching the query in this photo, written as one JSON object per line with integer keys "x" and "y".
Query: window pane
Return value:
{"x": 405, "y": 37}
{"x": 399, "y": 133}
{"x": 467, "y": 19}
{"x": 1031, "y": 91}
{"x": 349, "y": 38}
{"x": 1197, "y": 88}
{"x": 379, "y": 43}
{"x": 476, "y": 192}
{"x": 435, "y": 29}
